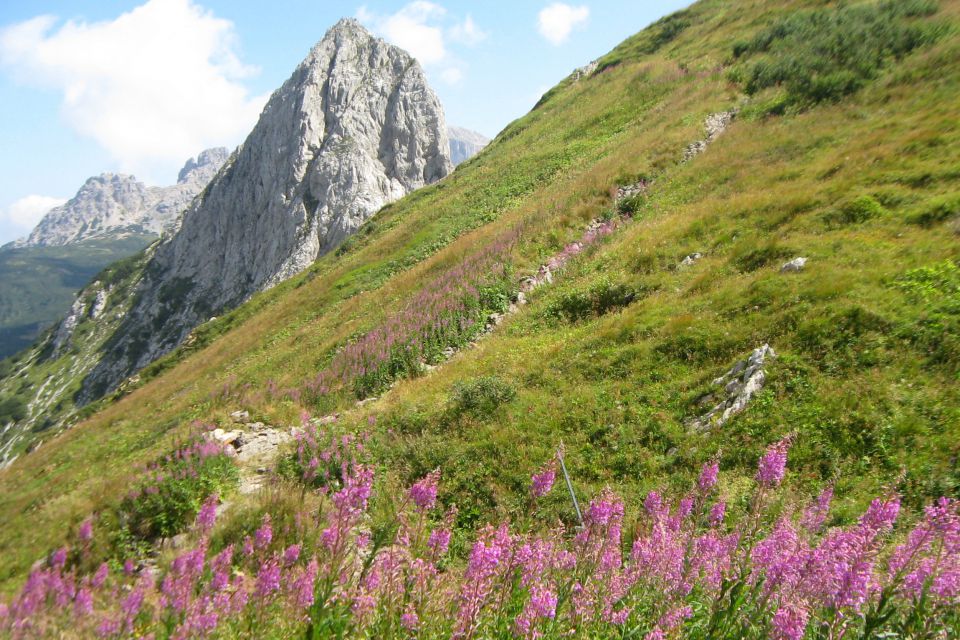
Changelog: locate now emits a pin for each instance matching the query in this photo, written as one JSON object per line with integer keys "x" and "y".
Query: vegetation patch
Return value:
{"x": 597, "y": 299}
{"x": 480, "y": 397}
{"x": 825, "y": 54}
{"x": 168, "y": 493}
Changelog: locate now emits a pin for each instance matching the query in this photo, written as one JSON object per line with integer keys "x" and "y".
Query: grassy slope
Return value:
{"x": 615, "y": 389}
{"x": 38, "y": 284}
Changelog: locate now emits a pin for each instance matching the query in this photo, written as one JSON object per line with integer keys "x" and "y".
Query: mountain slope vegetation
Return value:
{"x": 850, "y": 161}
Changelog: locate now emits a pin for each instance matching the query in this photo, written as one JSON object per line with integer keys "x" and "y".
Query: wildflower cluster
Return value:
{"x": 168, "y": 492}
{"x": 685, "y": 572}
{"x": 448, "y": 312}
{"x": 322, "y": 456}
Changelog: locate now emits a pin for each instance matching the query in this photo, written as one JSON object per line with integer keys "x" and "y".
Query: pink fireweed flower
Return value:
{"x": 83, "y": 603}
{"x": 129, "y": 567}
{"x": 410, "y": 620}
{"x": 439, "y": 541}
{"x": 773, "y": 464}
{"x": 489, "y": 553}
{"x": 789, "y": 623}
{"x": 268, "y": 578}
{"x": 207, "y": 515}
{"x": 303, "y": 585}
{"x": 708, "y": 475}
{"x": 85, "y": 532}
{"x": 816, "y": 514}
{"x": 100, "y": 576}
{"x": 264, "y": 535}
{"x": 424, "y": 492}
{"x": 674, "y": 617}
{"x": 717, "y": 513}
{"x": 58, "y": 558}
{"x": 542, "y": 482}
{"x": 291, "y": 554}
{"x": 542, "y": 605}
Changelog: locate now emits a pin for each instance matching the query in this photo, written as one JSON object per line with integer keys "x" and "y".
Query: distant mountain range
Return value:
{"x": 464, "y": 143}
{"x": 112, "y": 216}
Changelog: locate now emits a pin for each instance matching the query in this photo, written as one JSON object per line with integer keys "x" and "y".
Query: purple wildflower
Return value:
{"x": 291, "y": 554}
{"x": 773, "y": 464}
{"x": 85, "y": 532}
{"x": 264, "y": 534}
{"x": 424, "y": 492}
{"x": 207, "y": 515}
{"x": 789, "y": 623}
{"x": 542, "y": 482}
{"x": 708, "y": 475}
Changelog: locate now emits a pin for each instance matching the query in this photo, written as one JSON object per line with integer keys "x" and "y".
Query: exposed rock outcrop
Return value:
{"x": 355, "y": 127}
{"x": 112, "y": 204}
{"x": 714, "y": 125}
{"x": 795, "y": 265}
{"x": 738, "y": 386}
{"x": 464, "y": 144}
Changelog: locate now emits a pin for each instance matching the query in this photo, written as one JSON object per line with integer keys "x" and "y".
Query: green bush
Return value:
{"x": 938, "y": 211}
{"x": 825, "y": 54}
{"x": 600, "y": 298}
{"x": 936, "y": 328}
{"x": 480, "y": 397}
{"x": 170, "y": 492}
{"x": 857, "y": 211}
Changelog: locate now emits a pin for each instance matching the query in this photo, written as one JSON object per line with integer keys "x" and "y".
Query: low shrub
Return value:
{"x": 480, "y": 397}
{"x": 823, "y": 55}
{"x": 168, "y": 492}
{"x": 601, "y": 297}
{"x": 856, "y": 211}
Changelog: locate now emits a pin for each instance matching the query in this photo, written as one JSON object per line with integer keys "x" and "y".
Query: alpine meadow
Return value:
{"x": 675, "y": 355}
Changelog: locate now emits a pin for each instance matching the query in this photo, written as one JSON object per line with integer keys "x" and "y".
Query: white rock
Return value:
{"x": 743, "y": 381}
{"x": 794, "y": 265}
{"x": 464, "y": 144}
{"x": 240, "y": 417}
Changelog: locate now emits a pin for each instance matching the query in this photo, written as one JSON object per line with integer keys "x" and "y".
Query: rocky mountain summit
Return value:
{"x": 355, "y": 127}
{"x": 110, "y": 205}
{"x": 464, "y": 143}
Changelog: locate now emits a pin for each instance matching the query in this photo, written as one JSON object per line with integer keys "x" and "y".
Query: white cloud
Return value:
{"x": 25, "y": 213}
{"x": 556, "y": 21}
{"x": 451, "y": 75}
{"x": 467, "y": 32}
{"x": 421, "y": 28}
{"x": 152, "y": 87}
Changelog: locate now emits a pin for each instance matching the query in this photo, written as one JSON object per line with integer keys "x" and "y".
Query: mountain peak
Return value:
{"x": 356, "y": 126}
{"x": 205, "y": 165}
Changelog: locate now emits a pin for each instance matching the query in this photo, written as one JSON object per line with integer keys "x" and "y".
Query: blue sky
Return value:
{"x": 138, "y": 86}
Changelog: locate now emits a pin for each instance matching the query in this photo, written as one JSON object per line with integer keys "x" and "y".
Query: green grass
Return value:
{"x": 616, "y": 356}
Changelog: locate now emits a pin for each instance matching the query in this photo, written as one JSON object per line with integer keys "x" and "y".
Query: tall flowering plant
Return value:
{"x": 683, "y": 568}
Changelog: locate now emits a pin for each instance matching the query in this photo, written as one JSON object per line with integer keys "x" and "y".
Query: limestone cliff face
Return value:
{"x": 355, "y": 127}
{"x": 110, "y": 205}
{"x": 464, "y": 143}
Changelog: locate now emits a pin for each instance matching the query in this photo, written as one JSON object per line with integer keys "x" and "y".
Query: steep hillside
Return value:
{"x": 668, "y": 192}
